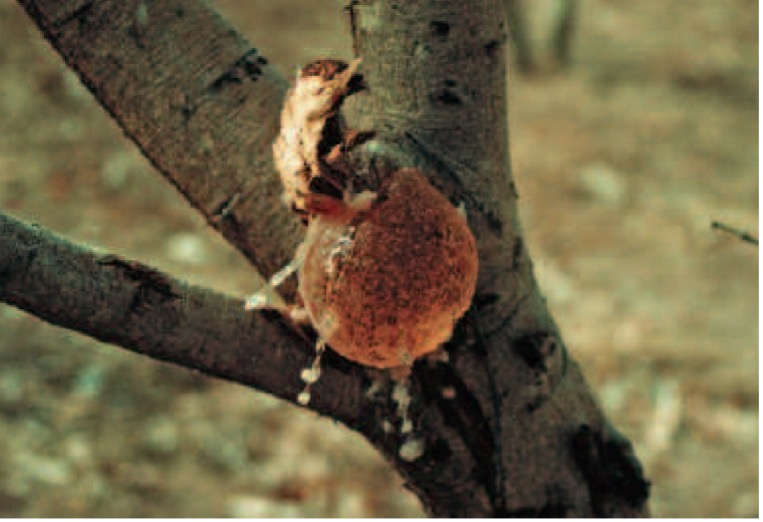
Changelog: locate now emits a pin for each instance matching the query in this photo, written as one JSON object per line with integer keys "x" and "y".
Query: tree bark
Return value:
{"x": 508, "y": 425}
{"x": 134, "y": 306}
{"x": 199, "y": 101}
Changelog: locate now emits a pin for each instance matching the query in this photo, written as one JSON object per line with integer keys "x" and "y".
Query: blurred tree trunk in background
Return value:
{"x": 508, "y": 424}
{"x": 564, "y": 26}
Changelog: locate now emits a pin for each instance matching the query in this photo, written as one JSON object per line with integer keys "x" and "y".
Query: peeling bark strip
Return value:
{"x": 508, "y": 425}
{"x": 198, "y": 100}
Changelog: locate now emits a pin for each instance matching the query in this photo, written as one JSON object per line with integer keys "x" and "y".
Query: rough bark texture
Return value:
{"x": 200, "y": 102}
{"x": 508, "y": 425}
{"x": 132, "y": 305}
{"x": 438, "y": 98}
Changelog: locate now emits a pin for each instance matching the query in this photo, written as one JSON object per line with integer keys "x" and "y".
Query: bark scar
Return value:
{"x": 78, "y": 14}
{"x": 150, "y": 282}
{"x": 249, "y": 66}
{"x": 610, "y": 467}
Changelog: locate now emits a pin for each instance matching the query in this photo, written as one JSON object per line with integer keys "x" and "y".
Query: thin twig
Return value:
{"x": 741, "y": 234}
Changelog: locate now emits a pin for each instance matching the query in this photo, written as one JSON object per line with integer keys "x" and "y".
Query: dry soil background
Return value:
{"x": 621, "y": 165}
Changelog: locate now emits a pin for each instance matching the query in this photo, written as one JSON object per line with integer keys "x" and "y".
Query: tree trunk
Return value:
{"x": 508, "y": 425}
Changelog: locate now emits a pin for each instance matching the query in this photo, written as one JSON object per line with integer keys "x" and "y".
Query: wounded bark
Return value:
{"x": 508, "y": 425}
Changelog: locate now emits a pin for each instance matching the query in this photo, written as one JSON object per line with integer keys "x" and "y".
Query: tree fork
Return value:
{"x": 509, "y": 425}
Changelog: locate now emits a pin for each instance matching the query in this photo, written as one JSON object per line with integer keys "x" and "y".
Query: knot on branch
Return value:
{"x": 546, "y": 357}
{"x": 610, "y": 467}
{"x": 152, "y": 286}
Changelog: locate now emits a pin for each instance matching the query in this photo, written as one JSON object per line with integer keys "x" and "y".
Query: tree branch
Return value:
{"x": 199, "y": 101}
{"x": 136, "y": 307}
{"x": 438, "y": 99}
{"x": 143, "y": 310}
{"x": 442, "y": 108}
